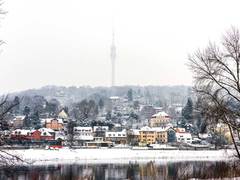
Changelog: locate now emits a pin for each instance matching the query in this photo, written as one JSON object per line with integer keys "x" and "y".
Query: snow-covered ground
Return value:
{"x": 42, "y": 156}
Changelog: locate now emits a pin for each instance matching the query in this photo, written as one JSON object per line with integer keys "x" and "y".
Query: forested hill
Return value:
{"x": 151, "y": 94}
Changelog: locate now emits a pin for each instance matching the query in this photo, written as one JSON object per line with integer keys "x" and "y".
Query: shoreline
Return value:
{"x": 119, "y": 156}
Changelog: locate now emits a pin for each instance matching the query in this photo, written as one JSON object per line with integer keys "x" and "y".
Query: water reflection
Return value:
{"x": 150, "y": 170}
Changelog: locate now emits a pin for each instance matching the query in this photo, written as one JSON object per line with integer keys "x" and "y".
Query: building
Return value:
{"x": 119, "y": 137}
{"x": 223, "y": 130}
{"x": 47, "y": 134}
{"x": 82, "y": 134}
{"x": 21, "y": 134}
{"x": 99, "y": 131}
{"x": 34, "y": 135}
{"x": 180, "y": 130}
{"x": 147, "y": 135}
{"x": 98, "y": 142}
{"x": 54, "y": 124}
{"x": 161, "y": 134}
{"x": 183, "y": 137}
{"x": 159, "y": 119}
{"x": 63, "y": 115}
{"x": 18, "y": 122}
{"x": 133, "y": 136}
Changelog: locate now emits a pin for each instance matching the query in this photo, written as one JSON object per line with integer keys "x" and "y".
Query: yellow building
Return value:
{"x": 159, "y": 119}
{"x": 62, "y": 114}
{"x": 162, "y": 136}
{"x": 147, "y": 135}
{"x": 223, "y": 129}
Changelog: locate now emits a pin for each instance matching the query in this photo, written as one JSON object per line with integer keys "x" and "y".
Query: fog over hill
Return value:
{"x": 147, "y": 94}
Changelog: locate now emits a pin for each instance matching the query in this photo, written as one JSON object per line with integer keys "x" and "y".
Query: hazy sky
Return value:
{"x": 56, "y": 42}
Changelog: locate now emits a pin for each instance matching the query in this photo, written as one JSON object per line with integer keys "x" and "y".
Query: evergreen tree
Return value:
{"x": 101, "y": 104}
{"x": 70, "y": 130}
{"x": 52, "y": 107}
{"x": 130, "y": 95}
{"x": 187, "y": 111}
{"x": 17, "y": 107}
{"x": 26, "y": 111}
{"x": 35, "y": 120}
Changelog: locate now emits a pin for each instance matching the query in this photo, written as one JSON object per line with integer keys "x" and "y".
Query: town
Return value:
{"x": 115, "y": 122}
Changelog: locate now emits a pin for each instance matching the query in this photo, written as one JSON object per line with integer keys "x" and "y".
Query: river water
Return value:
{"x": 132, "y": 170}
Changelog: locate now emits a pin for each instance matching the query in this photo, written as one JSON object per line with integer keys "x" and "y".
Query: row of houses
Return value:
{"x": 148, "y": 135}
{"x": 36, "y": 135}
{"x": 143, "y": 136}
{"x": 159, "y": 130}
{"x": 85, "y": 136}
{"x": 53, "y": 123}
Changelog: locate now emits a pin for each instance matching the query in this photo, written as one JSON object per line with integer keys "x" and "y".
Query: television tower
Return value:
{"x": 113, "y": 58}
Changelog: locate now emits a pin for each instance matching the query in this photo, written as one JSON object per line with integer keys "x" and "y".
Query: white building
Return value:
{"x": 22, "y": 132}
{"x": 83, "y": 133}
{"x": 184, "y": 137}
{"x": 100, "y": 128}
{"x": 119, "y": 137}
{"x": 116, "y": 134}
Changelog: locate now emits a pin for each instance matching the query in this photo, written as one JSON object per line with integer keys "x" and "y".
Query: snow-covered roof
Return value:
{"x": 18, "y": 118}
{"x": 46, "y": 130}
{"x": 100, "y": 128}
{"x": 160, "y": 129}
{"x": 204, "y": 135}
{"x": 48, "y": 120}
{"x": 21, "y": 131}
{"x": 183, "y": 134}
{"x": 63, "y": 114}
{"x": 161, "y": 114}
{"x": 135, "y": 132}
{"x": 45, "y": 133}
{"x": 116, "y": 134}
{"x": 114, "y": 97}
{"x": 80, "y": 128}
{"x": 117, "y": 125}
{"x": 146, "y": 128}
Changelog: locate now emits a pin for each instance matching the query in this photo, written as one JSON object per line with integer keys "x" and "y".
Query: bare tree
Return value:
{"x": 6, "y": 158}
{"x": 217, "y": 81}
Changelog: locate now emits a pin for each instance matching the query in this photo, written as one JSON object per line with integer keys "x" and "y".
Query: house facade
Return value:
{"x": 18, "y": 122}
{"x": 160, "y": 119}
{"x": 116, "y": 137}
{"x": 54, "y": 124}
{"x": 82, "y": 134}
{"x": 35, "y": 135}
{"x": 147, "y": 135}
{"x": 184, "y": 137}
{"x": 99, "y": 131}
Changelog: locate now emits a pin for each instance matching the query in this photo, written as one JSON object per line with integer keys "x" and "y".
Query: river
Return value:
{"x": 131, "y": 170}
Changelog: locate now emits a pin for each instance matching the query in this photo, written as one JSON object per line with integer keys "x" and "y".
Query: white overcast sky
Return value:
{"x": 57, "y": 42}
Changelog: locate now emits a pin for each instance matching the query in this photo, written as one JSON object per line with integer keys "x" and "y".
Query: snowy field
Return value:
{"x": 42, "y": 156}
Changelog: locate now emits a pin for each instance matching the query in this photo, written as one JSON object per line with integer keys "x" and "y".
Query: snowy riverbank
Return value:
{"x": 42, "y": 156}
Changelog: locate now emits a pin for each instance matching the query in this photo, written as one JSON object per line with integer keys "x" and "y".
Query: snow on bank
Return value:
{"x": 38, "y": 156}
